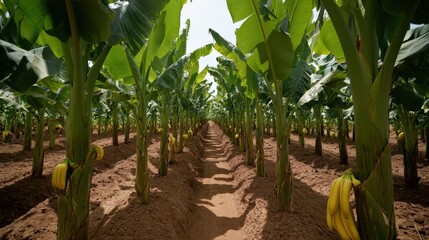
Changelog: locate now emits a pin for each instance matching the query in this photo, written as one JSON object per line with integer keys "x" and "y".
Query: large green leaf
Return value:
{"x": 416, "y": 41}
{"x": 11, "y": 100}
{"x": 300, "y": 12}
{"x": 23, "y": 68}
{"x": 182, "y": 41}
{"x": 408, "y": 97}
{"x": 330, "y": 40}
{"x": 169, "y": 79}
{"x": 230, "y": 51}
{"x": 252, "y": 32}
{"x": 134, "y": 21}
{"x": 314, "y": 92}
{"x": 92, "y": 18}
{"x": 164, "y": 32}
{"x": 199, "y": 53}
{"x": 117, "y": 63}
{"x": 241, "y": 9}
{"x": 282, "y": 55}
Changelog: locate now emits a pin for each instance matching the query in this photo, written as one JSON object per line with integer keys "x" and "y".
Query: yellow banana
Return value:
{"x": 58, "y": 176}
{"x": 329, "y": 220}
{"x": 333, "y": 200}
{"x": 54, "y": 177}
{"x": 344, "y": 220}
{"x": 350, "y": 225}
{"x": 63, "y": 173}
{"x": 100, "y": 152}
{"x": 345, "y": 190}
{"x": 339, "y": 226}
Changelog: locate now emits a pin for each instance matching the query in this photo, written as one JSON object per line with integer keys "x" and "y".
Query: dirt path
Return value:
{"x": 215, "y": 215}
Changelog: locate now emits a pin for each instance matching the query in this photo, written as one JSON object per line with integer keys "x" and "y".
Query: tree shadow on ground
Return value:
{"x": 306, "y": 220}
{"x": 18, "y": 198}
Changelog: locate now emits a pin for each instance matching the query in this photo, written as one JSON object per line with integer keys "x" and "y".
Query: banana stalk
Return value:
{"x": 115, "y": 123}
{"x": 38, "y": 154}
{"x": 51, "y": 130}
{"x": 163, "y": 150}
{"x": 142, "y": 171}
{"x": 260, "y": 159}
{"x": 27, "y": 131}
{"x": 248, "y": 134}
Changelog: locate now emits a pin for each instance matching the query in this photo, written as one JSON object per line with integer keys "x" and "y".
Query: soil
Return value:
{"x": 209, "y": 193}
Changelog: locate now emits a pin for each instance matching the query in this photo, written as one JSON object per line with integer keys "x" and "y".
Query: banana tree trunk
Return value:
{"x": 322, "y": 126}
{"x": 16, "y": 127}
{"x": 274, "y": 124}
{"x": 38, "y": 154}
{"x": 300, "y": 126}
{"x": 283, "y": 185}
{"x": 142, "y": 171}
{"x": 51, "y": 130}
{"x": 260, "y": 158}
{"x": 342, "y": 146}
{"x": 181, "y": 143}
{"x": 175, "y": 123}
{"x": 115, "y": 123}
{"x": 28, "y": 131}
{"x": 318, "y": 115}
{"x": 127, "y": 127}
{"x": 163, "y": 149}
{"x": 241, "y": 133}
{"x": 248, "y": 135}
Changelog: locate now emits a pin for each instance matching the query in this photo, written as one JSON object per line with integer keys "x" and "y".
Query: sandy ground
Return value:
{"x": 210, "y": 193}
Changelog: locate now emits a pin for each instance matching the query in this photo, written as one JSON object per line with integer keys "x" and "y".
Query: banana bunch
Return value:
{"x": 339, "y": 215}
{"x": 172, "y": 141}
{"x": 59, "y": 175}
{"x": 100, "y": 152}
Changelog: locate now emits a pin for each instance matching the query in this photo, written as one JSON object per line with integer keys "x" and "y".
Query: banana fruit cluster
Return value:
{"x": 59, "y": 175}
{"x": 339, "y": 215}
{"x": 100, "y": 152}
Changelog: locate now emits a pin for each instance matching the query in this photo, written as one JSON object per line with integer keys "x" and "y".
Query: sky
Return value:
{"x": 205, "y": 14}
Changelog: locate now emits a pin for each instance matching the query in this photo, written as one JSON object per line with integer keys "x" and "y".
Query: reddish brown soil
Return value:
{"x": 210, "y": 193}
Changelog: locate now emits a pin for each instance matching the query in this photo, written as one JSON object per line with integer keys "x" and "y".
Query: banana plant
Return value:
{"x": 367, "y": 33}
{"x": 170, "y": 83}
{"x": 250, "y": 80}
{"x": 72, "y": 29}
{"x": 328, "y": 80}
{"x": 269, "y": 35}
{"x": 145, "y": 60}
{"x": 26, "y": 73}
{"x": 408, "y": 94}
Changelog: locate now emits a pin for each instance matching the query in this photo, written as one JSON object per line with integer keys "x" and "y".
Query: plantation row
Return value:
{"x": 76, "y": 70}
